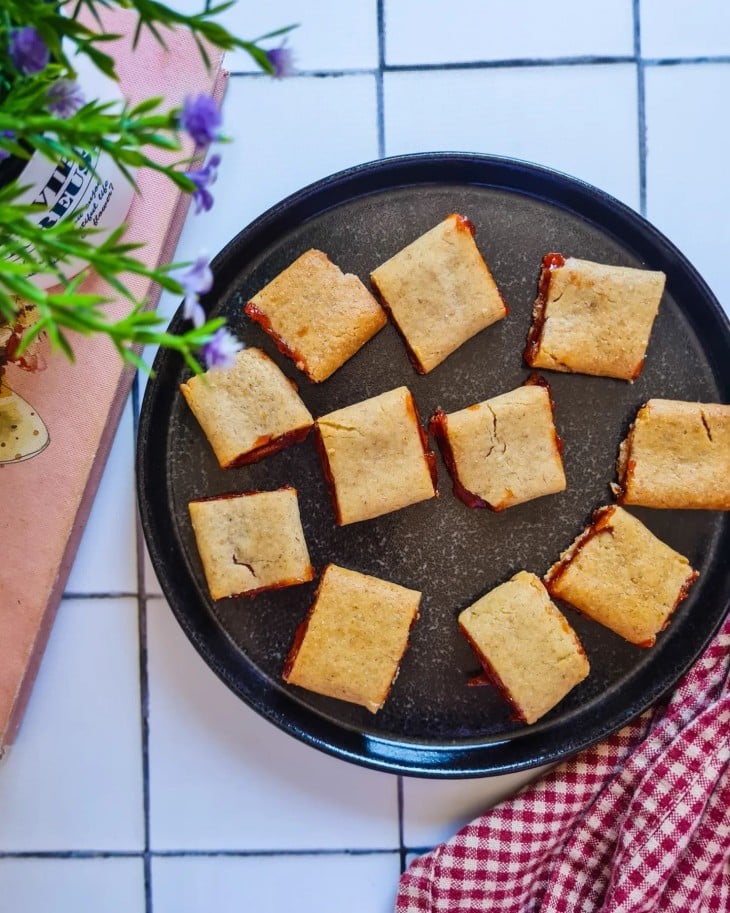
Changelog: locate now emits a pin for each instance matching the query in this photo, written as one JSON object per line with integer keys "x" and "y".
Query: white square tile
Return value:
{"x": 59, "y": 885}
{"x": 677, "y": 28}
{"x": 432, "y": 31}
{"x": 331, "y": 35}
{"x": 688, "y": 192}
{"x": 285, "y": 134}
{"x": 223, "y": 778}
{"x": 73, "y": 778}
{"x": 590, "y": 131}
{"x": 106, "y": 561}
{"x": 189, "y": 7}
{"x": 433, "y": 811}
{"x": 309, "y": 884}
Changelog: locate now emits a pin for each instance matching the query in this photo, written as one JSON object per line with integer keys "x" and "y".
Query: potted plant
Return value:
{"x": 50, "y": 123}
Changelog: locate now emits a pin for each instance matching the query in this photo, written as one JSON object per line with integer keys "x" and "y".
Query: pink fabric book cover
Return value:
{"x": 46, "y": 498}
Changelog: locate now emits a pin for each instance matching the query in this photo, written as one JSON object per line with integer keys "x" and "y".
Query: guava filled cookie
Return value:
{"x": 676, "y": 455}
{"x": 353, "y": 638}
{"x": 439, "y": 292}
{"x": 317, "y": 315}
{"x": 590, "y": 318}
{"x": 249, "y": 410}
{"x": 525, "y": 645}
{"x": 503, "y": 451}
{"x": 619, "y": 574}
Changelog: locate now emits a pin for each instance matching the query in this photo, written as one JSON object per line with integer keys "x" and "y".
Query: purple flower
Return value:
{"x": 220, "y": 352}
{"x": 201, "y": 118}
{"x": 196, "y": 280}
{"x": 28, "y": 51}
{"x": 65, "y": 98}
{"x": 282, "y": 60}
{"x": 4, "y": 154}
{"x": 203, "y": 178}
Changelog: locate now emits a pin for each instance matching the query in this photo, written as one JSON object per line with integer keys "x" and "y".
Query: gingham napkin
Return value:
{"x": 640, "y": 822}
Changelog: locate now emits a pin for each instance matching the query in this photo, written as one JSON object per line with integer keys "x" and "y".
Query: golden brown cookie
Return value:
{"x": 249, "y": 410}
{"x": 375, "y": 457}
{"x": 590, "y": 318}
{"x": 504, "y": 450}
{"x": 251, "y": 542}
{"x": 352, "y": 641}
{"x": 317, "y": 315}
{"x": 619, "y": 574}
{"x": 676, "y": 455}
{"x": 439, "y": 292}
{"x": 525, "y": 645}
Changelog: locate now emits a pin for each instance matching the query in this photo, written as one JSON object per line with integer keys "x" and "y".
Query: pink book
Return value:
{"x": 45, "y": 499}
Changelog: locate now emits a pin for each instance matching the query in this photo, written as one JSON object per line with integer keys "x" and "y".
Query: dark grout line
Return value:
{"x": 148, "y": 855}
{"x": 512, "y": 63}
{"x": 245, "y": 854}
{"x": 71, "y": 854}
{"x": 379, "y": 79}
{"x": 143, "y": 679}
{"x": 515, "y": 62}
{"x": 135, "y": 397}
{"x": 418, "y": 850}
{"x": 144, "y": 708}
{"x": 308, "y": 74}
{"x": 641, "y": 106}
{"x": 636, "y": 4}
{"x": 112, "y": 595}
{"x": 401, "y": 841}
{"x": 687, "y": 61}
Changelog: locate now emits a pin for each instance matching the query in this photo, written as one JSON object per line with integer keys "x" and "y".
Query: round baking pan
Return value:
{"x": 433, "y": 723}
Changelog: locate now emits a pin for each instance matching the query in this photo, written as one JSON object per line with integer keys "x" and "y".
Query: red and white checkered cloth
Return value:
{"x": 639, "y": 822}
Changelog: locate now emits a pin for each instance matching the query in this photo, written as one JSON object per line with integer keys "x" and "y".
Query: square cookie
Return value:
{"x": 249, "y": 410}
{"x": 620, "y": 575}
{"x": 251, "y": 542}
{"x": 676, "y": 455}
{"x": 590, "y": 318}
{"x": 317, "y": 315}
{"x": 375, "y": 456}
{"x": 504, "y": 450}
{"x": 352, "y": 641}
{"x": 525, "y": 645}
{"x": 439, "y": 292}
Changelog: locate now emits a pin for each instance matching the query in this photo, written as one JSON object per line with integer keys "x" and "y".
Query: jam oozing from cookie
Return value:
{"x": 438, "y": 426}
{"x": 550, "y": 262}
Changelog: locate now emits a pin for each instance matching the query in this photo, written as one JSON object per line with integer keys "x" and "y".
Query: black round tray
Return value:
{"x": 433, "y": 724}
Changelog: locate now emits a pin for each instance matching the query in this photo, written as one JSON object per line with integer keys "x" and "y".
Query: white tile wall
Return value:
{"x": 580, "y": 120}
{"x": 285, "y": 135}
{"x": 688, "y": 192}
{"x": 223, "y": 778}
{"x": 78, "y": 885}
{"x": 307, "y": 884}
{"x": 433, "y": 811}
{"x": 680, "y": 28}
{"x": 106, "y": 561}
{"x": 432, "y": 31}
{"x": 331, "y": 35}
{"x": 73, "y": 778}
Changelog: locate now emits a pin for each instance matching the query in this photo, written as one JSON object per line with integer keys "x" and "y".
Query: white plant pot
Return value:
{"x": 95, "y": 194}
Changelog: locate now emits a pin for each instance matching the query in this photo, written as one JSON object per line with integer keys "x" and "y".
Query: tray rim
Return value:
{"x": 449, "y": 759}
